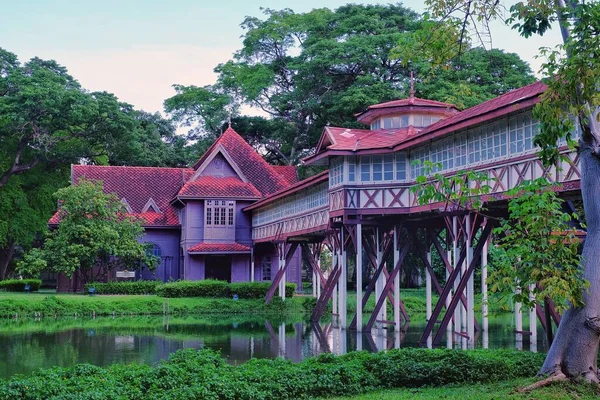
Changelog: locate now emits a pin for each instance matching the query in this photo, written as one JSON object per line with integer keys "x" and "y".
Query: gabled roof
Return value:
{"x": 137, "y": 185}
{"x": 405, "y": 106}
{"x": 215, "y": 186}
{"x": 287, "y": 172}
{"x": 204, "y": 248}
{"x": 254, "y": 168}
{"x": 338, "y": 141}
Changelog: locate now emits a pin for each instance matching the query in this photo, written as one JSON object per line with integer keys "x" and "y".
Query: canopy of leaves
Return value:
{"x": 538, "y": 249}
{"x": 319, "y": 68}
{"x": 94, "y": 232}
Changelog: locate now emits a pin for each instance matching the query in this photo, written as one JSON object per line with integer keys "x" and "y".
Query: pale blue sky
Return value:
{"x": 138, "y": 48}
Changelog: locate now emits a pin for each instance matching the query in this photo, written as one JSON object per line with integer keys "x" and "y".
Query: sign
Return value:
{"x": 125, "y": 274}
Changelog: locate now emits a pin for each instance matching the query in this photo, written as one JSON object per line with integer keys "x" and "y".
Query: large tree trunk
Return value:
{"x": 574, "y": 351}
{"x": 6, "y": 255}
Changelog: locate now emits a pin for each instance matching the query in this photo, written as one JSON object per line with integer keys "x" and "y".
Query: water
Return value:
{"x": 32, "y": 344}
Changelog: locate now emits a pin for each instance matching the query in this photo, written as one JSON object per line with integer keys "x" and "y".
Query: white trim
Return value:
{"x": 151, "y": 204}
{"x": 127, "y": 206}
{"x": 232, "y": 164}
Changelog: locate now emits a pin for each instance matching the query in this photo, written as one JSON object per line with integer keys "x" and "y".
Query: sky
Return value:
{"x": 137, "y": 49}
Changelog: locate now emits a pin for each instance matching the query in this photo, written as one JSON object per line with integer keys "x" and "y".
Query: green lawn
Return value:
{"x": 501, "y": 390}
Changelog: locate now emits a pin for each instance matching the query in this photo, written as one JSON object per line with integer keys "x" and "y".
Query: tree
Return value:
{"x": 574, "y": 75}
{"x": 319, "y": 68}
{"x": 94, "y": 237}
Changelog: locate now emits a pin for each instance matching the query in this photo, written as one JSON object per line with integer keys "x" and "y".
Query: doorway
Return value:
{"x": 218, "y": 267}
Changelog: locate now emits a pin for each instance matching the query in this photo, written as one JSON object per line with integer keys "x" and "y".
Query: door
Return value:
{"x": 218, "y": 267}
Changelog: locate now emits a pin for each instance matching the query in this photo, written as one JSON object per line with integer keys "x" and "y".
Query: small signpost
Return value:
{"x": 126, "y": 274}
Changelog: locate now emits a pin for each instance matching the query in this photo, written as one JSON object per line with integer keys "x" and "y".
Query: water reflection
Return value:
{"x": 31, "y": 344}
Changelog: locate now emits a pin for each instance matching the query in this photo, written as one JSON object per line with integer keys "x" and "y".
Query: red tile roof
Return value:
{"x": 362, "y": 139}
{"x": 215, "y": 186}
{"x": 201, "y": 248}
{"x": 137, "y": 185}
{"x": 415, "y": 101}
{"x": 262, "y": 175}
{"x": 288, "y": 172}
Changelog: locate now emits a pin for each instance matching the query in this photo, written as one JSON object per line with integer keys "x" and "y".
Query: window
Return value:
{"x": 521, "y": 132}
{"x": 417, "y": 161}
{"x": 376, "y": 125}
{"x": 335, "y": 172}
{"x": 460, "y": 150}
{"x": 365, "y": 168}
{"x": 388, "y": 167}
{"x": 377, "y": 162}
{"x": 154, "y": 250}
{"x": 442, "y": 153}
{"x": 266, "y": 268}
{"x": 488, "y": 143}
{"x": 219, "y": 212}
{"x": 351, "y": 169}
{"x": 400, "y": 166}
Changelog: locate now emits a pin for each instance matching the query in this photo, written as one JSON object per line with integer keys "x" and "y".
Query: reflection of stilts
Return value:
{"x": 321, "y": 336}
{"x": 274, "y": 336}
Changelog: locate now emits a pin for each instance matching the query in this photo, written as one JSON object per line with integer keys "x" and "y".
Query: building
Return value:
{"x": 194, "y": 217}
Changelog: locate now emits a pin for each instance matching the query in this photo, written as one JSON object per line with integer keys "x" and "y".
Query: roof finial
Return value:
{"x": 412, "y": 85}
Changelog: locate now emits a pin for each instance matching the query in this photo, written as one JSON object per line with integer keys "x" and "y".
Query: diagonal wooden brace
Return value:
{"x": 291, "y": 249}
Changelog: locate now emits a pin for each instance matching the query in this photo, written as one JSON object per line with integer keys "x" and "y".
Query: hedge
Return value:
{"x": 135, "y": 287}
{"x": 18, "y": 285}
{"x": 214, "y": 288}
{"x": 204, "y": 374}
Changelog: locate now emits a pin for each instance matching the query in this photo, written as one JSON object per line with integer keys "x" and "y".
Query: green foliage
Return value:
{"x": 538, "y": 246}
{"x": 18, "y": 285}
{"x": 461, "y": 191}
{"x": 215, "y": 288}
{"x": 137, "y": 287}
{"x": 68, "y": 304}
{"x": 94, "y": 232}
{"x": 205, "y": 374}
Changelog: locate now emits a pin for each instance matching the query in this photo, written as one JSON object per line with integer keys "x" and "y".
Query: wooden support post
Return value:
{"x": 428, "y": 284}
{"x": 396, "y": 243}
{"x": 532, "y": 322}
{"x": 326, "y": 294}
{"x": 382, "y": 298}
{"x": 252, "y": 264}
{"x": 470, "y": 285}
{"x": 484, "y": 286}
{"x": 282, "y": 268}
{"x": 461, "y": 286}
{"x": 380, "y": 281}
{"x": 359, "y": 281}
{"x": 275, "y": 284}
{"x": 342, "y": 285}
{"x": 519, "y": 324}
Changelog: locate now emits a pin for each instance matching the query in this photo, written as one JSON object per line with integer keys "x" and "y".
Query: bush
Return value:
{"x": 205, "y": 288}
{"x": 18, "y": 285}
{"x": 214, "y": 288}
{"x": 136, "y": 287}
{"x": 204, "y": 374}
{"x": 258, "y": 290}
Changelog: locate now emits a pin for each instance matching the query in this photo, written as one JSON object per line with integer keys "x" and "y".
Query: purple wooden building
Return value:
{"x": 195, "y": 218}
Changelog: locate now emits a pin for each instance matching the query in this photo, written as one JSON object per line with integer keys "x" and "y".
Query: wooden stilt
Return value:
{"x": 359, "y": 283}
{"x": 396, "y": 242}
{"x": 275, "y": 284}
{"x": 484, "y": 286}
{"x": 342, "y": 284}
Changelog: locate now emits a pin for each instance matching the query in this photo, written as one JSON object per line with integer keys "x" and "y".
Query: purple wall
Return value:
{"x": 219, "y": 167}
{"x": 294, "y": 270}
{"x": 168, "y": 242}
{"x": 240, "y": 268}
{"x": 194, "y": 270}
{"x": 193, "y": 225}
{"x": 243, "y": 223}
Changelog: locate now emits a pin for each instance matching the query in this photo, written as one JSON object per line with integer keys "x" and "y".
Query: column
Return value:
{"x": 281, "y": 251}
{"x": 519, "y": 324}
{"x": 252, "y": 264}
{"x": 428, "y": 300}
{"x": 470, "y": 285}
{"x": 532, "y": 322}
{"x": 396, "y": 282}
{"x": 381, "y": 279}
{"x": 343, "y": 283}
{"x": 359, "y": 280}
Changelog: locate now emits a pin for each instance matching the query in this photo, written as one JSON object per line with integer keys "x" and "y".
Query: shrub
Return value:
{"x": 18, "y": 285}
{"x": 136, "y": 287}
{"x": 258, "y": 290}
{"x": 205, "y": 288}
{"x": 205, "y": 374}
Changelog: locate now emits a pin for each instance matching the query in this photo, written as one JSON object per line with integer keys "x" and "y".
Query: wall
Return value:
{"x": 193, "y": 224}
{"x": 240, "y": 268}
{"x": 168, "y": 241}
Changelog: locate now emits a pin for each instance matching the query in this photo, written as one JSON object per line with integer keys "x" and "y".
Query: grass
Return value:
{"x": 499, "y": 390}
{"x": 28, "y": 305}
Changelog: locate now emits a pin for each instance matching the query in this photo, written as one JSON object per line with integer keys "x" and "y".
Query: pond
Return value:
{"x": 30, "y": 344}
